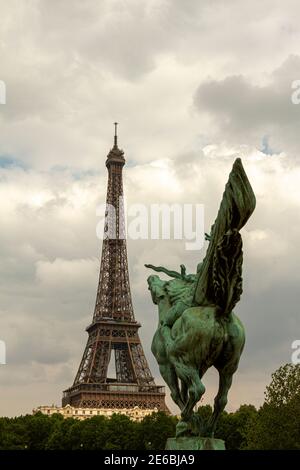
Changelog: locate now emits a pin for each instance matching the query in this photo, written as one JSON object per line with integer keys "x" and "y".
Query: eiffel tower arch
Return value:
{"x": 114, "y": 329}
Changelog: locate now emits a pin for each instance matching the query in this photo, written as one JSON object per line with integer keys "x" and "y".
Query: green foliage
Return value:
{"x": 204, "y": 412}
{"x": 231, "y": 427}
{"x": 39, "y": 432}
{"x": 121, "y": 433}
{"x": 155, "y": 429}
{"x": 285, "y": 385}
{"x": 90, "y": 434}
{"x": 277, "y": 424}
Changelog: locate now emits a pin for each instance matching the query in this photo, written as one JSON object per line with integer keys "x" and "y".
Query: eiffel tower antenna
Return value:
{"x": 116, "y": 135}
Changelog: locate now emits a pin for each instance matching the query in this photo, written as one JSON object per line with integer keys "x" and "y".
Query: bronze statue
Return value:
{"x": 197, "y": 327}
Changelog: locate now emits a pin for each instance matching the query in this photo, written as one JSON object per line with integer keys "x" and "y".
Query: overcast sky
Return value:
{"x": 193, "y": 85}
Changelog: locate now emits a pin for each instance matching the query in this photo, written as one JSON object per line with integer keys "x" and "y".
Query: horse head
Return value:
{"x": 157, "y": 288}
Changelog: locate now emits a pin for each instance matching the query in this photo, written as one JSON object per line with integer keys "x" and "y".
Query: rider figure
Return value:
{"x": 180, "y": 293}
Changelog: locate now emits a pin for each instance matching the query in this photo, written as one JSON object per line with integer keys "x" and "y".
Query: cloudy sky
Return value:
{"x": 193, "y": 85}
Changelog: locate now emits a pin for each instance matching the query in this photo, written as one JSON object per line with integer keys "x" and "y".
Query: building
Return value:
{"x": 68, "y": 411}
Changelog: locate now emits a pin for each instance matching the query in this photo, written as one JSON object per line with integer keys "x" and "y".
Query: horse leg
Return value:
{"x": 226, "y": 370}
{"x": 190, "y": 380}
{"x": 170, "y": 377}
{"x": 225, "y": 381}
{"x": 159, "y": 349}
{"x": 195, "y": 391}
{"x": 184, "y": 391}
{"x": 194, "y": 388}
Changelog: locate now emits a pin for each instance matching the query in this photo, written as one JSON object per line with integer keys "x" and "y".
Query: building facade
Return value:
{"x": 68, "y": 411}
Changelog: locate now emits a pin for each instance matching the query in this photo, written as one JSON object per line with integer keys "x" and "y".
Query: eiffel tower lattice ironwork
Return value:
{"x": 114, "y": 329}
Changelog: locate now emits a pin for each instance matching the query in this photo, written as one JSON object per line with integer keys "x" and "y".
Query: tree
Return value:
{"x": 277, "y": 424}
{"x": 155, "y": 429}
{"x": 14, "y": 434}
{"x": 232, "y": 426}
{"x": 38, "y": 430}
{"x": 60, "y": 439}
{"x": 94, "y": 433}
{"x": 121, "y": 433}
{"x": 205, "y": 412}
{"x": 285, "y": 385}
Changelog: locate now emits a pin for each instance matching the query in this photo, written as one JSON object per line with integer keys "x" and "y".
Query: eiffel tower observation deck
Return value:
{"x": 113, "y": 333}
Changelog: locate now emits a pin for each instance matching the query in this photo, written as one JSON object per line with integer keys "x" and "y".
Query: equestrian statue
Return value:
{"x": 197, "y": 327}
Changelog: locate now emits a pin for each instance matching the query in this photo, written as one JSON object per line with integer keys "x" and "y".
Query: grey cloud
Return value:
{"x": 241, "y": 111}
{"x": 122, "y": 37}
{"x": 71, "y": 70}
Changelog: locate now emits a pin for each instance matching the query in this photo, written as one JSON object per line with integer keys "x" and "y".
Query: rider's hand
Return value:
{"x": 183, "y": 270}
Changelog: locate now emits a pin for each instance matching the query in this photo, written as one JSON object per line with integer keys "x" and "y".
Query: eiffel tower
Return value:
{"x": 114, "y": 330}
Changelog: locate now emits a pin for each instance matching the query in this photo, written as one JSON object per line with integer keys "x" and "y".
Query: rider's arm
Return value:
{"x": 161, "y": 269}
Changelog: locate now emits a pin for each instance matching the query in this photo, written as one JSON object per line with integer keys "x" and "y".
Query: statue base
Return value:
{"x": 194, "y": 443}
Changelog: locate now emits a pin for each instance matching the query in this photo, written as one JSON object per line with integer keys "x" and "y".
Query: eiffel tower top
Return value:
{"x": 116, "y": 135}
{"x": 115, "y": 155}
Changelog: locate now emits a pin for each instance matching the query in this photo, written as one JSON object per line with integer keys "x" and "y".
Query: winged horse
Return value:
{"x": 197, "y": 327}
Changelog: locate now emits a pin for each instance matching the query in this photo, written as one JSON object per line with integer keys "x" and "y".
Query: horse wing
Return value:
{"x": 227, "y": 271}
{"x": 237, "y": 205}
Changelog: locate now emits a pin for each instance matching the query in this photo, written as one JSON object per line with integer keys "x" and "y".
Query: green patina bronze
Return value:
{"x": 194, "y": 443}
{"x": 197, "y": 327}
